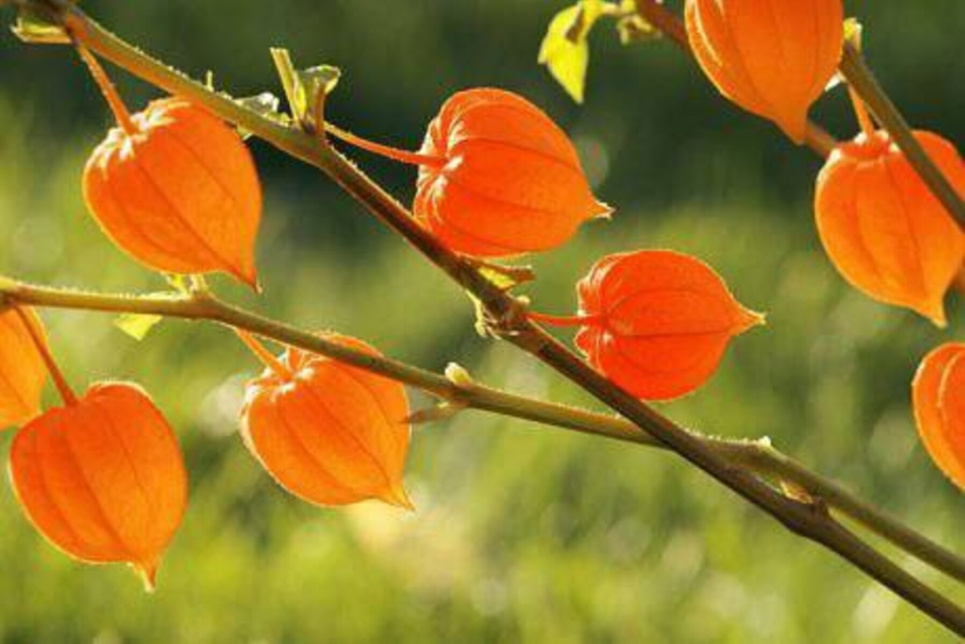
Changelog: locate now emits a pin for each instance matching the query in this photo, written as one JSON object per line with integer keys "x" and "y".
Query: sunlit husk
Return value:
{"x": 22, "y": 369}
{"x": 659, "y": 322}
{"x": 882, "y": 227}
{"x": 181, "y": 195}
{"x": 103, "y": 479}
{"x": 328, "y": 433}
{"x": 509, "y": 180}
{"x": 774, "y": 58}
{"x": 938, "y": 393}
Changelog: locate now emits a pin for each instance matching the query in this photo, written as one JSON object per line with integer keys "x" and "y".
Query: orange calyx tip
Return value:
{"x": 147, "y": 571}
{"x": 248, "y": 277}
{"x": 266, "y": 357}
{"x": 606, "y": 211}
{"x": 795, "y": 127}
{"x": 398, "y": 497}
{"x": 935, "y": 312}
{"x": 748, "y": 319}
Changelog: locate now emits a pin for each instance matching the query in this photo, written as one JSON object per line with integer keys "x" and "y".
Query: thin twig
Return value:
{"x": 805, "y": 519}
{"x": 667, "y": 22}
{"x": 863, "y": 81}
{"x": 860, "y": 77}
{"x": 757, "y": 456}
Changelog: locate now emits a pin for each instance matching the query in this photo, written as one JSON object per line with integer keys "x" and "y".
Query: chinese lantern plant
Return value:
{"x": 23, "y": 371}
{"x": 771, "y": 57}
{"x": 328, "y": 433}
{"x": 881, "y": 226}
{"x": 101, "y": 477}
{"x": 174, "y": 187}
{"x": 657, "y": 323}
{"x": 497, "y": 177}
{"x": 938, "y": 394}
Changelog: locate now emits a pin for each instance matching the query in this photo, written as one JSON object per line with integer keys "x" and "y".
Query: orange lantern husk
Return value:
{"x": 102, "y": 478}
{"x": 23, "y": 372}
{"x": 510, "y": 181}
{"x": 882, "y": 227}
{"x": 175, "y": 188}
{"x": 938, "y": 394}
{"x": 497, "y": 177}
{"x": 656, "y": 323}
{"x": 773, "y": 58}
{"x": 328, "y": 433}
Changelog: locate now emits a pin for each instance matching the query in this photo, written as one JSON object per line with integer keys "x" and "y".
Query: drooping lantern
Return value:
{"x": 656, "y": 323}
{"x": 328, "y": 433}
{"x": 773, "y": 58}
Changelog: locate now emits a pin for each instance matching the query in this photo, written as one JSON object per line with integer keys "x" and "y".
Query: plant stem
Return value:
{"x": 667, "y": 22}
{"x": 862, "y": 79}
{"x": 63, "y": 387}
{"x": 121, "y": 114}
{"x": 808, "y": 520}
{"x": 564, "y": 320}
{"x": 267, "y": 357}
{"x": 861, "y": 113}
{"x": 387, "y": 151}
{"x": 757, "y": 456}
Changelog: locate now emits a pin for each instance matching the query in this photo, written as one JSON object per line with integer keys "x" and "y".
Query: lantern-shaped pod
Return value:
{"x": 938, "y": 394}
{"x": 772, "y": 57}
{"x": 329, "y": 433}
{"x": 882, "y": 227}
{"x": 657, "y": 322}
{"x": 103, "y": 478}
{"x": 178, "y": 191}
{"x": 22, "y": 369}
{"x": 508, "y": 180}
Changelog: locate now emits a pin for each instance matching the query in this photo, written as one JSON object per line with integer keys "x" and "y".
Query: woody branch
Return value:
{"x": 461, "y": 392}
{"x": 861, "y": 79}
{"x": 805, "y": 518}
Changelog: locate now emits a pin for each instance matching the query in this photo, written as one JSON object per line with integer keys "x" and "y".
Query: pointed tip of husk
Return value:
{"x": 147, "y": 571}
{"x": 604, "y": 211}
{"x": 795, "y": 126}
{"x": 398, "y": 497}
{"x": 934, "y": 311}
{"x": 748, "y": 319}
{"x": 249, "y": 277}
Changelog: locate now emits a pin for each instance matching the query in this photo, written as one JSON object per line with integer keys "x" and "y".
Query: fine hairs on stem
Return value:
{"x": 805, "y": 519}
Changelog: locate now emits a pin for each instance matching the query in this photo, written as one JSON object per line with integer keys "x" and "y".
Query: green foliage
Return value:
{"x": 565, "y": 50}
{"x": 304, "y": 88}
{"x": 33, "y": 28}
{"x": 137, "y": 326}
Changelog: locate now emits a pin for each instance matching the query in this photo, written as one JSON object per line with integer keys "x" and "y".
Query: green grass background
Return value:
{"x": 522, "y": 533}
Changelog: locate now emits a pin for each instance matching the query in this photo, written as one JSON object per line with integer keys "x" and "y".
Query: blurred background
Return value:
{"x": 522, "y": 533}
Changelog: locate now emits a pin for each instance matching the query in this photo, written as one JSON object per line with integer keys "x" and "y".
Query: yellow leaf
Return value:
{"x": 853, "y": 30}
{"x": 565, "y": 50}
{"x": 137, "y": 326}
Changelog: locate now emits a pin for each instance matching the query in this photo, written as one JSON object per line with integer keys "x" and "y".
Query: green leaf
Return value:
{"x": 306, "y": 89}
{"x": 137, "y": 326}
{"x": 565, "y": 50}
{"x": 506, "y": 277}
{"x": 322, "y": 78}
{"x": 33, "y": 28}
{"x": 180, "y": 283}
{"x": 265, "y": 104}
{"x": 633, "y": 27}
